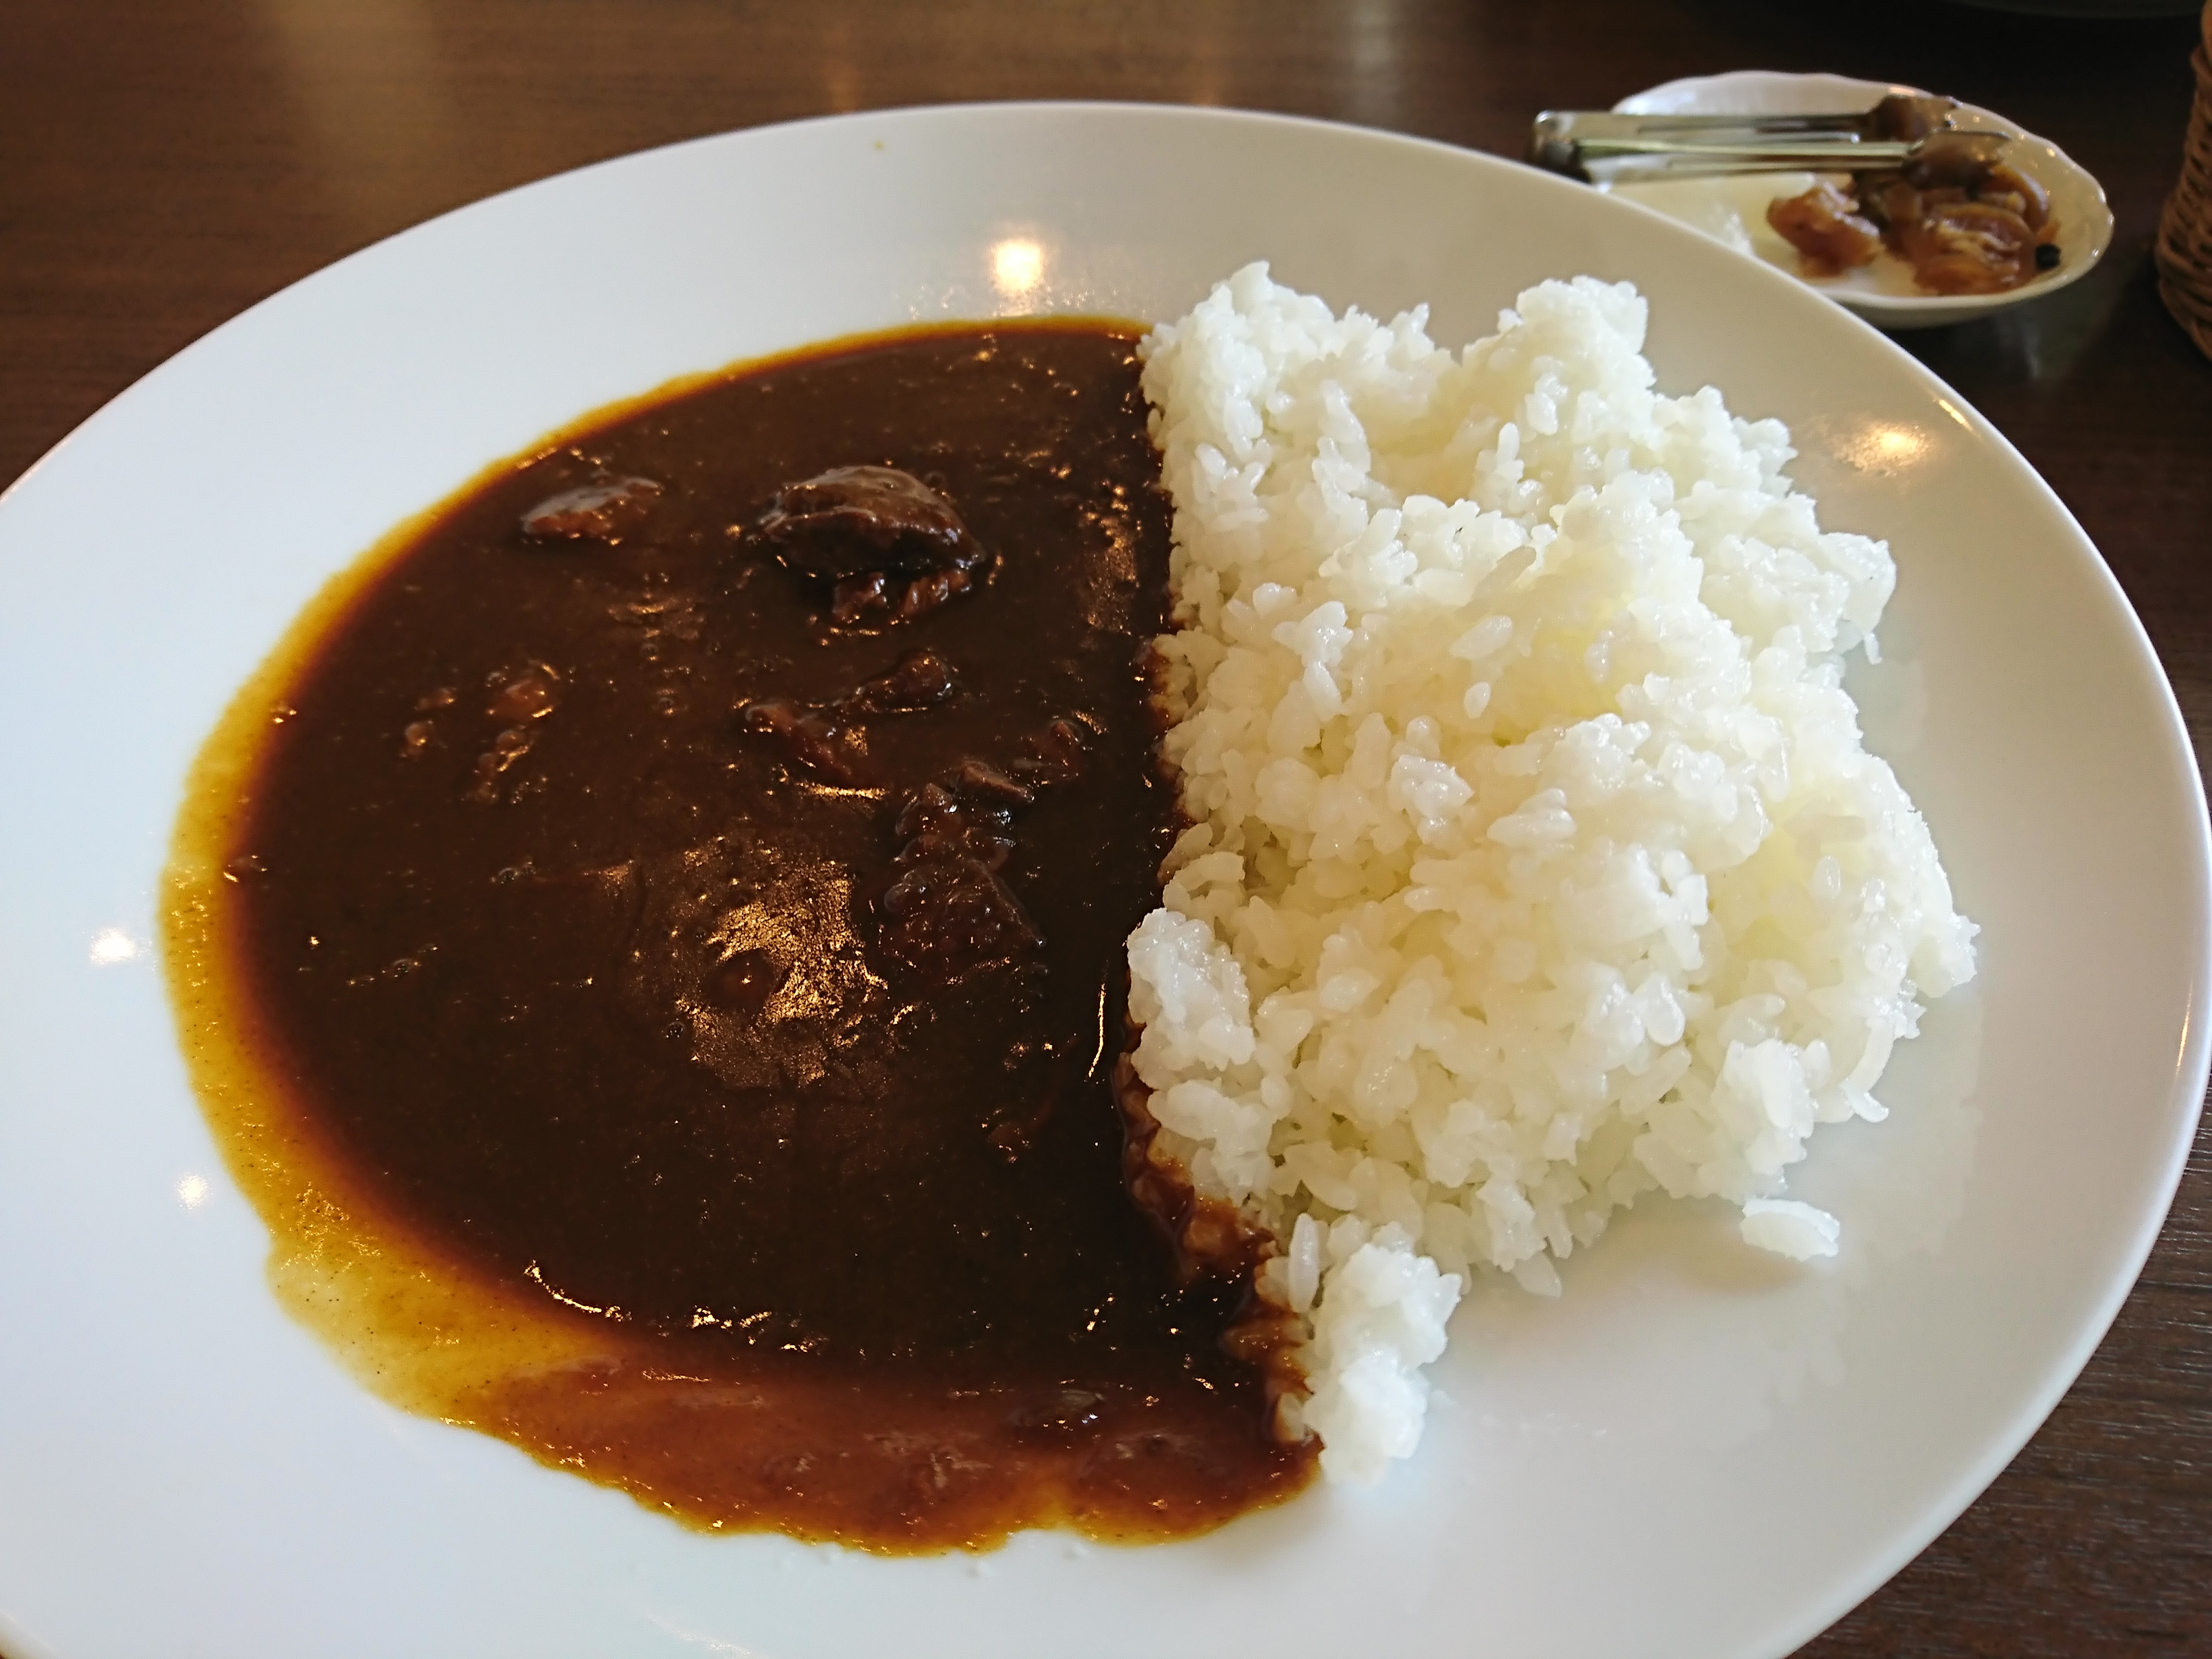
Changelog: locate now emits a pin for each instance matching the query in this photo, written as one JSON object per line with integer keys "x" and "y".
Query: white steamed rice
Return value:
{"x": 1535, "y": 863}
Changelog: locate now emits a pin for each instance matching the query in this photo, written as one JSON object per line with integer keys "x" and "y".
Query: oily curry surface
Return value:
{"x": 662, "y": 984}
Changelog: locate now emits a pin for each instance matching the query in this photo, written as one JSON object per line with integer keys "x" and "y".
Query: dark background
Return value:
{"x": 165, "y": 163}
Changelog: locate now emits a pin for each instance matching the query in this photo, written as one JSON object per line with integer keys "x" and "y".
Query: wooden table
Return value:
{"x": 165, "y": 163}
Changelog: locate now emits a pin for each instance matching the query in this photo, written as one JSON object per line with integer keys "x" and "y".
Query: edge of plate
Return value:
{"x": 2192, "y": 1063}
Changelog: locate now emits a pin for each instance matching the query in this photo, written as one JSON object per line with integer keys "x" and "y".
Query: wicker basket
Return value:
{"x": 2184, "y": 234}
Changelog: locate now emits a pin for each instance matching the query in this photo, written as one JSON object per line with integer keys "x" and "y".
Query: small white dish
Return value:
{"x": 1733, "y": 210}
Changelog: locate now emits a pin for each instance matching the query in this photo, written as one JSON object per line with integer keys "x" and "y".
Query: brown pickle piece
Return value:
{"x": 2008, "y": 186}
{"x": 602, "y": 510}
{"x": 1824, "y": 229}
{"x": 1970, "y": 248}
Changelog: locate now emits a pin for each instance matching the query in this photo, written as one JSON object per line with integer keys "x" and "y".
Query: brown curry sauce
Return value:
{"x": 663, "y": 996}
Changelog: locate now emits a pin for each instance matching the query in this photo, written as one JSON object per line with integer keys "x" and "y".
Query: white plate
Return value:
{"x": 1883, "y": 293}
{"x": 1691, "y": 1454}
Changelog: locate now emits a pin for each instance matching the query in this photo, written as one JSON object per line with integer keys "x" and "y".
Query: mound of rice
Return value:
{"x": 1535, "y": 863}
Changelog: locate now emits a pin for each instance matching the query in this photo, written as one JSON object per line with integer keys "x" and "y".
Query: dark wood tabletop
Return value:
{"x": 165, "y": 163}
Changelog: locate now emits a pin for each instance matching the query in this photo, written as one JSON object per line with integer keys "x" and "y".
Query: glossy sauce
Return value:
{"x": 565, "y": 1013}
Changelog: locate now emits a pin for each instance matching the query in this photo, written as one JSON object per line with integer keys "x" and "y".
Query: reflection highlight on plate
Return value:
{"x": 111, "y": 945}
{"x": 1834, "y": 451}
{"x": 1884, "y": 448}
{"x": 1891, "y": 446}
{"x": 1016, "y": 269}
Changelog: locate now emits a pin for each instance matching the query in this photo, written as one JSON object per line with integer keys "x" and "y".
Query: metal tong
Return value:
{"x": 1602, "y": 147}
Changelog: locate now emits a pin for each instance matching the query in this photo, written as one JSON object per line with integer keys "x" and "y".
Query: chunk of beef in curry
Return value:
{"x": 691, "y": 893}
